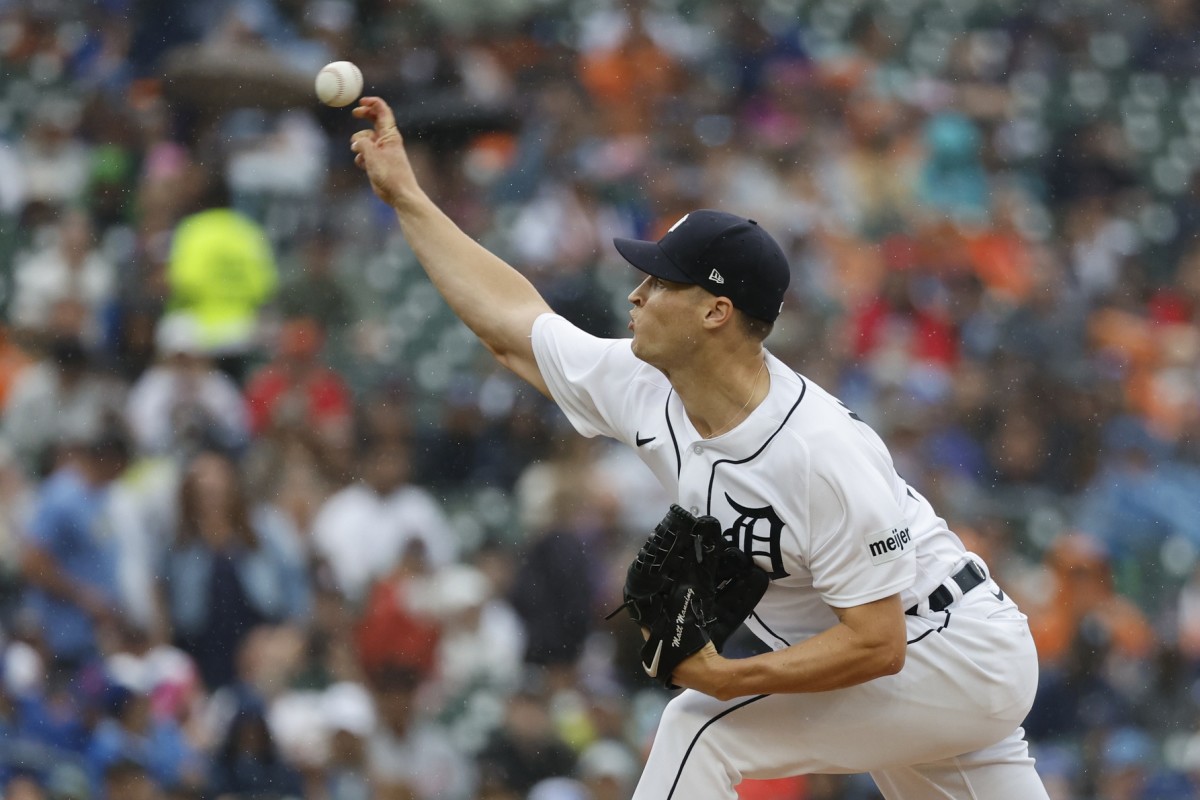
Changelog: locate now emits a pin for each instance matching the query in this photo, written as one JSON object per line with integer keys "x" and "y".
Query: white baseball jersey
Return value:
{"x": 810, "y": 492}
{"x": 802, "y": 485}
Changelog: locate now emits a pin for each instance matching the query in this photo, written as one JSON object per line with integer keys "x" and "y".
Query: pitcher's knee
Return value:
{"x": 695, "y": 726}
{"x": 688, "y": 713}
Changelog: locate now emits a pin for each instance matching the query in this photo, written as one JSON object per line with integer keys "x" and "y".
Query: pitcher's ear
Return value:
{"x": 720, "y": 312}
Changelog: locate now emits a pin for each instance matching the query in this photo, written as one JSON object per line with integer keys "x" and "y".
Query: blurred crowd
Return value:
{"x": 273, "y": 525}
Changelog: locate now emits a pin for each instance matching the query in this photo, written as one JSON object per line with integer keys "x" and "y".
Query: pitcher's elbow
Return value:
{"x": 892, "y": 659}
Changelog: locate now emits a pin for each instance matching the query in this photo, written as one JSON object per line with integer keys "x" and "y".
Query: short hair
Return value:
{"x": 758, "y": 329}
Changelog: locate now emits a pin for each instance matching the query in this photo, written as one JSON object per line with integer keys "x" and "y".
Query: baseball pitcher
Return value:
{"x": 892, "y": 650}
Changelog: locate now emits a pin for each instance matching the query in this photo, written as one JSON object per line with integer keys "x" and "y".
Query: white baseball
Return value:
{"x": 339, "y": 83}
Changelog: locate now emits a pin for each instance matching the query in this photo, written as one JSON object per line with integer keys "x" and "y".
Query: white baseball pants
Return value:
{"x": 945, "y": 726}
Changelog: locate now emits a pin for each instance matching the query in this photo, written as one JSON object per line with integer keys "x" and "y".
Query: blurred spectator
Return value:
{"x": 70, "y": 270}
{"x": 56, "y": 160}
{"x": 894, "y": 334}
{"x": 554, "y": 591}
{"x": 1127, "y": 760}
{"x": 184, "y": 402}
{"x": 295, "y": 475}
{"x": 609, "y": 770}
{"x": 164, "y": 673}
{"x": 317, "y": 293}
{"x": 397, "y": 629}
{"x": 221, "y": 271}
{"x": 488, "y": 432}
{"x": 364, "y": 530}
{"x": 612, "y": 70}
{"x": 225, "y": 574}
{"x": 558, "y": 789}
{"x": 953, "y": 181}
{"x": 131, "y": 336}
{"x": 451, "y": 458}
{"x": 70, "y": 560}
{"x": 1080, "y": 591}
{"x": 295, "y": 390}
{"x": 247, "y": 761}
{"x": 1093, "y": 649}
{"x": 142, "y": 511}
{"x": 1091, "y": 159}
{"x": 1139, "y": 494}
{"x": 17, "y": 495}
{"x": 12, "y": 190}
{"x": 387, "y": 414}
{"x": 552, "y": 594}
{"x": 526, "y": 749}
{"x": 24, "y": 787}
{"x": 410, "y": 755}
{"x": 482, "y": 643}
{"x": 58, "y": 400}
{"x": 129, "y": 779}
{"x": 873, "y": 172}
{"x": 350, "y": 716}
{"x": 1047, "y": 329}
{"x": 67, "y": 781}
{"x": 13, "y": 361}
{"x": 130, "y": 732}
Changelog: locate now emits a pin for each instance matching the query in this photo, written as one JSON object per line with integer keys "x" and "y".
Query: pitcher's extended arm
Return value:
{"x": 494, "y": 300}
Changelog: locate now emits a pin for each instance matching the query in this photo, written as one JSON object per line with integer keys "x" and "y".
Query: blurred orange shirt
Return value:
{"x": 13, "y": 362}
{"x": 1081, "y": 587}
{"x": 629, "y": 82}
{"x": 1002, "y": 262}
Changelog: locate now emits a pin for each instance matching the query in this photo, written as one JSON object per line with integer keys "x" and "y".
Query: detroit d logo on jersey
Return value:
{"x": 757, "y": 531}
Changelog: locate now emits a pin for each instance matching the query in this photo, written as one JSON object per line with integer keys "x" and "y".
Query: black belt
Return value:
{"x": 967, "y": 578}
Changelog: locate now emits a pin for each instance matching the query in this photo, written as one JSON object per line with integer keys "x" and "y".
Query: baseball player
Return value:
{"x": 893, "y": 651}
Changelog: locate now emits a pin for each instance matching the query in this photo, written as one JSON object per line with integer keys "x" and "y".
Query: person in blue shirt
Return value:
{"x": 132, "y": 732}
{"x": 70, "y": 557}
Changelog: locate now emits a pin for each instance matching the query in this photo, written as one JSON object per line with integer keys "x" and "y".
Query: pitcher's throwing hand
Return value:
{"x": 380, "y": 151}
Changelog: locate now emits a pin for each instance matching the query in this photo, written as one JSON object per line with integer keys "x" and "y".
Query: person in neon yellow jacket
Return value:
{"x": 222, "y": 271}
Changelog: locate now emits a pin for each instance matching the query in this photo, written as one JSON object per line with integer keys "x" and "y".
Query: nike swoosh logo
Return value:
{"x": 998, "y": 594}
{"x": 641, "y": 441}
{"x": 652, "y": 667}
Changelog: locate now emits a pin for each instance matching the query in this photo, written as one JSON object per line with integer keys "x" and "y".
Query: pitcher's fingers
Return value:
{"x": 385, "y": 120}
{"x": 360, "y": 140}
{"x": 362, "y": 110}
{"x": 376, "y": 110}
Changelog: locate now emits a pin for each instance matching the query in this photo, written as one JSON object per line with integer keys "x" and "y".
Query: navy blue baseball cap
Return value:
{"x": 727, "y": 255}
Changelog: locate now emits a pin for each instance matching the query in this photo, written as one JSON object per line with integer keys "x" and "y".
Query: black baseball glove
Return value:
{"x": 688, "y": 586}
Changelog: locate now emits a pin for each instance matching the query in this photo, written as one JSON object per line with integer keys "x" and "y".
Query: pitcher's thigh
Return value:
{"x": 1002, "y": 771}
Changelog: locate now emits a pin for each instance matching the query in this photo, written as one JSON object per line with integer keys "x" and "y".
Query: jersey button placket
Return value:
{"x": 693, "y": 479}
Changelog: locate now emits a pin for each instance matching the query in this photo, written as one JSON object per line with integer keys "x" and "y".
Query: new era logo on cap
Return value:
{"x": 727, "y": 255}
